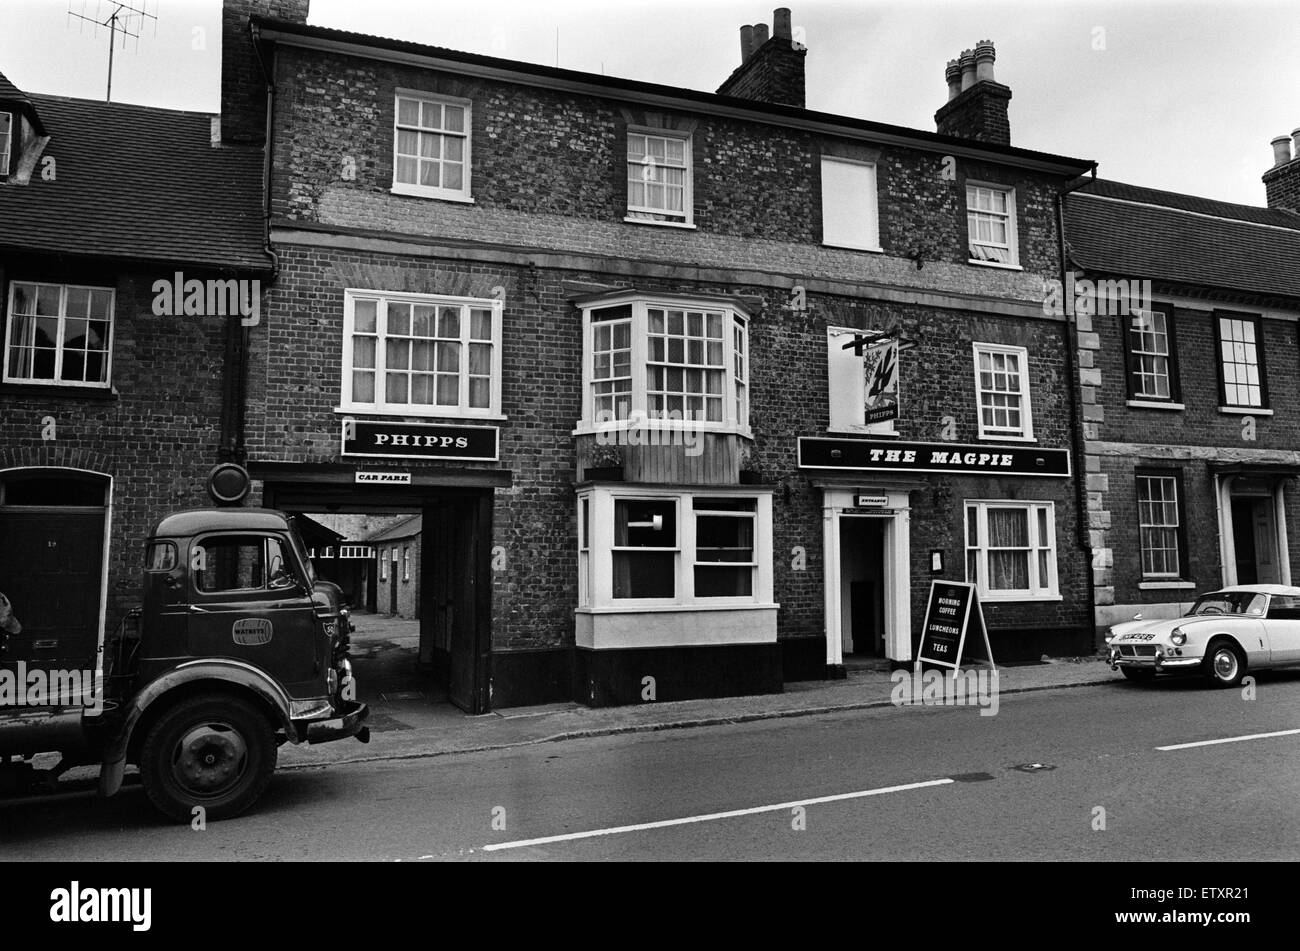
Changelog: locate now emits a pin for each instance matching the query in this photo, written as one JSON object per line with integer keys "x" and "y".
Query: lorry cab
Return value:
{"x": 238, "y": 648}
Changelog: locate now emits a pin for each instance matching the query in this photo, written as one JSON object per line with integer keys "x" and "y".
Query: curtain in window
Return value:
{"x": 1008, "y": 530}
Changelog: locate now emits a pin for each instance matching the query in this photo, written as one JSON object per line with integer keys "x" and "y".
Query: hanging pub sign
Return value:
{"x": 420, "y": 441}
{"x": 948, "y": 616}
{"x": 873, "y": 455}
{"x": 881, "y": 363}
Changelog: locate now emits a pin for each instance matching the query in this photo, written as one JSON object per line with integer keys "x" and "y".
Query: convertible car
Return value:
{"x": 1245, "y": 627}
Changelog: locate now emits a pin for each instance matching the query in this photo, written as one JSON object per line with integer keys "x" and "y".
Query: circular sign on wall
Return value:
{"x": 229, "y": 484}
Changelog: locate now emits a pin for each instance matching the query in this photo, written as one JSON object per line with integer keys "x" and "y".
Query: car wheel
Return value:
{"x": 212, "y": 751}
{"x": 1224, "y": 664}
{"x": 1142, "y": 675}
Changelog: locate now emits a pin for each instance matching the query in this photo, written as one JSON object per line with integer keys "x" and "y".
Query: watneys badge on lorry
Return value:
{"x": 252, "y": 632}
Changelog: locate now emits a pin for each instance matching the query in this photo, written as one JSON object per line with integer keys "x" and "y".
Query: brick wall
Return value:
{"x": 158, "y": 438}
{"x": 1282, "y": 186}
{"x": 549, "y": 170}
{"x": 296, "y": 384}
{"x": 1122, "y": 438}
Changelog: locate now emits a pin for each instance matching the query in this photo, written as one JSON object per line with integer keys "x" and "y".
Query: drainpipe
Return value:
{"x": 268, "y": 75}
{"x": 1076, "y": 427}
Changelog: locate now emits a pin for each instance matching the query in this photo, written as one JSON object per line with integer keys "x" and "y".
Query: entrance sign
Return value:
{"x": 878, "y": 455}
{"x": 420, "y": 441}
{"x": 871, "y": 501}
{"x": 948, "y": 616}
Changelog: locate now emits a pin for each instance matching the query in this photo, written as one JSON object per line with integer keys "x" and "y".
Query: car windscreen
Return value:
{"x": 1229, "y": 602}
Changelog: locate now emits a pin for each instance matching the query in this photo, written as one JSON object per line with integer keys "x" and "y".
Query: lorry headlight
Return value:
{"x": 1177, "y": 637}
{"x": 332, "y": 681}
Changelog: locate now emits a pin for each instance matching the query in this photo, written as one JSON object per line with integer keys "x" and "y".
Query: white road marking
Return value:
{"x": 710, "y": 817}
{"x": 1228, "y": 739}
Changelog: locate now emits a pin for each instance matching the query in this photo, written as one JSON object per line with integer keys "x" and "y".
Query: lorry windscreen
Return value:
{"x": 303, "y": 557}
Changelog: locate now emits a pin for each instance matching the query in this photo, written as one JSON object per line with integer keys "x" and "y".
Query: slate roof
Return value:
{"x": 141, "y": 184}
{"x": 1143, "y": 233}
{"x": 407, "y": 528}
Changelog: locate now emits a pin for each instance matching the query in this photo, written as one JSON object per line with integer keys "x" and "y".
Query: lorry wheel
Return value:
{"x": 212, "y": 751}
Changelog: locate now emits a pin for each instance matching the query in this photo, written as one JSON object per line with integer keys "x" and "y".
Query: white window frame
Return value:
{"x": 1171, "y": 478}
{"x": 462, "y": 194}
{"x": 584, "y": 552}
{"x": 645, "y": 215}
{"x": 1039, "y": 589}
{"x": 383, "y": 564}
{"x": 356, "y": 551}
{"x": 107, "y": 382}
{"x": 406, "y": 563}
{"x": 872, "y": 242}
{"x": 1013, "y": 233}
{"x": 1026, "y": 431}
{"x": 1146, "y": 327}
{"x": 735, "y": 419}
{"x": 6, "y": 142}
{"x": 1238, "y": 347}
{"x": 600, "y": 553}
{"x": 381, "y": 407}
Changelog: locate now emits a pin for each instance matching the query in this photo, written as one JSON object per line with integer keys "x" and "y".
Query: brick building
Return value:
{"x": 610, "y": 340}
{"x": 397, "y": 567}
{"x": 1189, "y": 380}
{"x": 115, "y": 395}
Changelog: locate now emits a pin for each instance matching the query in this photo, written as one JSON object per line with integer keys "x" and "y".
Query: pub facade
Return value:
{"x": 694, "y": 392}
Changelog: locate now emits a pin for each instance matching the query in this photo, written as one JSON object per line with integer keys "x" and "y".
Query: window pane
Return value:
{"x": 646, "y": 574}
{"x": 364, "y": 316}
{"x": 645, "y": 523}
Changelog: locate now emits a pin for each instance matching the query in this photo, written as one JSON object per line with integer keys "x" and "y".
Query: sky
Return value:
{"x": 1176, "y": 94}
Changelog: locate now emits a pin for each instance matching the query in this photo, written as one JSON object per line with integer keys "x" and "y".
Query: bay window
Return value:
{"x": 642, "y": 548}
{"x": 675, "y": 361}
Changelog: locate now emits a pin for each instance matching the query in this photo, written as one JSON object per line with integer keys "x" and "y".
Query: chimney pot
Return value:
{"x": 746, "y": 43}
{"x": 952, "y": 74}
{"x": 1281, "y": 150}
{"x": 760, "y": 35}
{"x": 967, "y": 69}
{"x": 985, "y": 54}
{"x": 781, "y": 23}
{"x": 1295, "y": 135}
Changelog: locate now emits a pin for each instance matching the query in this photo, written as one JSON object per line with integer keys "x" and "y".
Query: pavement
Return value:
{"x": 410, "y": 719}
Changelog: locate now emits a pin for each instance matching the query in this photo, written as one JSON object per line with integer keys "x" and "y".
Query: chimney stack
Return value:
{"x": 977, "y": 103}
{"x": 243, "y": 87}
{"x": 1282, "y": 181}
{"x": 953, "y": 75}
{"x": 771, "y": 64}
{"x": 1281, "y": 150}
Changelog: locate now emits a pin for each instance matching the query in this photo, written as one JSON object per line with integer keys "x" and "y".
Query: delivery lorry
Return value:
{"x": 236, "y": 648}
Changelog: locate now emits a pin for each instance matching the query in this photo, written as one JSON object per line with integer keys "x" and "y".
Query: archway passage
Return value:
{"x": 52, "y": 535}
{"x": 435, "y": 570}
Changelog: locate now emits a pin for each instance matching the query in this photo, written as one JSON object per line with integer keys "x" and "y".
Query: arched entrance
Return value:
{"x": 53, "y": 539}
